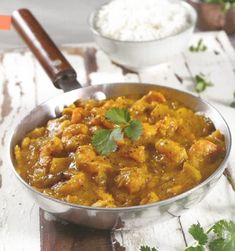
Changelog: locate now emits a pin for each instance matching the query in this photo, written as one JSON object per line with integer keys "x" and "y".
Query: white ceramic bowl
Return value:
{"x": 141, "y": 55}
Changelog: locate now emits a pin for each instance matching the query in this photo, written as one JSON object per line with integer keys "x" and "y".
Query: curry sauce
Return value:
{"x": 177, "y": 150}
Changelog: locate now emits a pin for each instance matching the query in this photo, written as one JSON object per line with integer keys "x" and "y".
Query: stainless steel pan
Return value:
{"x": 102, "y": 218}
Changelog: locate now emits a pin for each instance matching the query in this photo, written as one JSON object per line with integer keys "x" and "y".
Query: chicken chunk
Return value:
{"x": 201, "y": 151}
{"x": 173, "y": 151}
{"x": 52, "y": 146}
{"x": 77, "y": 115}
{"x": 166, "y": 127}
{"x": 105, "y": 199}
{"x": 216, "y": 137}
{"x": 150, "y": 198}
{"x": 139, "y": 106}
{"x": 84, "y": 154}
{"x": 149, "y": 131}
{"x": 137, "y": 153}
{"x": 131, "y": 178}
{"x": 59, "y": 164}
{"x": 75, "y": 129}
{"x": 177, "y": 189}
{"x": 88, "y": 161}
{"x": 159, "y": 112}
{"x": 191, "y": 172}
{"x": 55, "y": 127}
{"x": 73, "y": 185}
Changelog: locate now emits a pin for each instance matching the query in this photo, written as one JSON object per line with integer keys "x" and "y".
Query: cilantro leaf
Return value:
{"x": 118, "y": 115}
{"x": 199, "y": 47}
{"x": 201, "y": 83}
{"x": 198, "y": 234}
{"x": 104, "y": 140}
{"x": 233, "y": 104}
{"x": 117, "y": 134}
{"x": 134, "y": 130}
{"x": 221, "y": 245}
{"x": 147, "y": 248}
{"x": 197, "y": 248}
{"x": 225, "y": 231}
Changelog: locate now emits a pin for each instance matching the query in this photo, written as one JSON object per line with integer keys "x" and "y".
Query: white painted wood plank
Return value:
{"x": 218, "y": 68}
{"x": 109, "y": 73}
{"x": 19, "y": 226}
{"x": 165, "y": 236}
{"x": 218, "y": 204}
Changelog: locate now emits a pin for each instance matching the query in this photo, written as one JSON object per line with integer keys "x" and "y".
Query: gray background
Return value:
{"x": 65, "y": 21}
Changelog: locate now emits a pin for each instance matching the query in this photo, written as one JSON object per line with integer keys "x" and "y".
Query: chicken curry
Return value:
{"x": 120, "y": 152}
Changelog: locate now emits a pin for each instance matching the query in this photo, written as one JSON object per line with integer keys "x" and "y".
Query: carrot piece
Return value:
{"x": 76, "y": 115}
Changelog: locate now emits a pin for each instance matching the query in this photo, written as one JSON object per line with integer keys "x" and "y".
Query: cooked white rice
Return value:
{"x": 141, "y": 20}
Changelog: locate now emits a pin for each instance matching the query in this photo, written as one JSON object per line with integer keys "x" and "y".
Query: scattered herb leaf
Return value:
{"x": 225, "y": 233}
{"x": 201, "y": 83}
{"x": 200, "y": 47}
{"x": 118, "y": 115}
{"x": 198, "y": 234}
{"x": 146, "y": 248}
{"x": 104, "y": 140}
{"x": 233, "y": 103}
{"x": 134, "y": 130}
{"x": 221, "y": 237}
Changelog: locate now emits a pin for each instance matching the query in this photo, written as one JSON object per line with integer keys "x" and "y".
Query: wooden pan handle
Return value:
{"x": 52, "y": 60}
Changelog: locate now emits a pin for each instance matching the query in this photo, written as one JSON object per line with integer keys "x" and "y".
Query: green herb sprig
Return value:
{"x": 200, "y": 47}
{"x": 146, "y": 248}
{"x": 220, "y": 237}
{"x": 233, "y": 103}
{"x": 201, "y": 83}
{"x": 104, "y": 140}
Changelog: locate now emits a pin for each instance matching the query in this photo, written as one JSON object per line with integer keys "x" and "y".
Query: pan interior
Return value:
{"x": 52, "y": 108}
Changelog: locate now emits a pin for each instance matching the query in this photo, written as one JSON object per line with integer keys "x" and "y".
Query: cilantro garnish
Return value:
{"x": 225, "y": 236}
{"x": 133, "y": 130}
{"x": 118, "y": 115}
{"x": 104, "y": 140}
{"x": 201, "y": 83}
{"x": 199, "y": 47}
{"x": 198, "y": 233}
{"x": 220, "y": 237}
{"x": 233, "y": 103}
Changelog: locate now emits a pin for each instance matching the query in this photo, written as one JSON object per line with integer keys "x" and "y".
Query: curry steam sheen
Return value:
{"x": 176, "y": 151}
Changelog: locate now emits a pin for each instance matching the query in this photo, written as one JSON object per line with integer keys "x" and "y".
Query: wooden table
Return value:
{"x": 23, "y": 85}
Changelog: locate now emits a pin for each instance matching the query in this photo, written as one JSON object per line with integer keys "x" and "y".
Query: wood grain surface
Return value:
{"x": 58, "y": 235}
